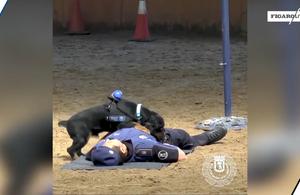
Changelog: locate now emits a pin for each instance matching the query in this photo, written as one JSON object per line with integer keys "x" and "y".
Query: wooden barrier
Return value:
{"x": 163, "y": 13}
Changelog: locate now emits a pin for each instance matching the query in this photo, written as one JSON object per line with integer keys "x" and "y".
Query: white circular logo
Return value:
{"x": 219, "y": 169}
{"x": 143, "y": 137}
{"x": 162, "y": 155}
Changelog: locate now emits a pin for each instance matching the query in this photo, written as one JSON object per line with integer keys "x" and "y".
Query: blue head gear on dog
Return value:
{"x": 105, "y": 156}
{"x": 117, "y": 95}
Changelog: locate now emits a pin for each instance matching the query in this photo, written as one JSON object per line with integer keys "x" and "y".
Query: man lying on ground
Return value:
{"x": 134, "y": 145}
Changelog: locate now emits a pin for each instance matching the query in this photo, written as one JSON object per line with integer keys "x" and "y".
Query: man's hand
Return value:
{"x": 181, "y": 155}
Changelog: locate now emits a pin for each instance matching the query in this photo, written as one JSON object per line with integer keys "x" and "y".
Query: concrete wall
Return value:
{"x": 164, "y": 13}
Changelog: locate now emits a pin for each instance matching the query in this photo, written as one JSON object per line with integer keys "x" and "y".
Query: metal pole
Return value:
{"x": 229, "y": 122}
{"x": 226, "y": 57}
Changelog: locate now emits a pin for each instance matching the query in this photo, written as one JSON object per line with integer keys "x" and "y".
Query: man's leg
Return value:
{"x": 179, "y": 138}
{"x": 209, "y": 137}
{"x": 183, "y": 140}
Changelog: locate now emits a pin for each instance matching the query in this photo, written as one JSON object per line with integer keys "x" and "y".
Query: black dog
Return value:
{"x": 109, "y": 117}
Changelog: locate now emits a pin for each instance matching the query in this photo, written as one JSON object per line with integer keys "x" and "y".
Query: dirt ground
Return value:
{"x": 177, "y": 76}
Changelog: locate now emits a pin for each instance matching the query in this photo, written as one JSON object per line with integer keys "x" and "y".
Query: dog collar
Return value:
{"x": 138, "y": 111}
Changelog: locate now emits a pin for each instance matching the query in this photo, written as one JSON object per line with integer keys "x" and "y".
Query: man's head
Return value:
{"x": 117, "y": 145}
{"x": 111, "y": 153}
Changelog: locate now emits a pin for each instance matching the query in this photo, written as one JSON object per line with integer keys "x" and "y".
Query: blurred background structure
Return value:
{"x": 274, "y": 110}
{"x": 25, "y": 101}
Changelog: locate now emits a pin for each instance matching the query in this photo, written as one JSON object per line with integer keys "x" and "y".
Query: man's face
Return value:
{"x": 114, "y": 143}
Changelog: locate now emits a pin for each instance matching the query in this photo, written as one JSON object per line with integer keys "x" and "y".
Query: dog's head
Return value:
{"x": 151, "y": 120}
{"x": 155, "y": 124}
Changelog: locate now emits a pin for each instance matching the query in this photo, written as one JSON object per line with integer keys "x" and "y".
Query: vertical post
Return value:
{"x": 226, "y": 57}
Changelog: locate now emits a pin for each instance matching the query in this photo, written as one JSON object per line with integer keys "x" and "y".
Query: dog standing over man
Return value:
{"x": 117, "y": 114}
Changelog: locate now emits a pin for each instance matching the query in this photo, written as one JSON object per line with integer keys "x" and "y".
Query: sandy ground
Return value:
{"x": 177, "y": 76}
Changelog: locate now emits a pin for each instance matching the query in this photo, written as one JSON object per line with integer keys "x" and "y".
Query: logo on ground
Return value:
{"x": 2, "y": 5}
{"x": 162, "y": 155}
{"x": 284, "y": 16}
{"x": 219, "y": 169}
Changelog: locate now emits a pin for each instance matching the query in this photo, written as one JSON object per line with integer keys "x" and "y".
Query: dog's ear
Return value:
{"x": 155, "y": 122}
{"x": 158, "y": 121}
{"x": 156, "y": 129}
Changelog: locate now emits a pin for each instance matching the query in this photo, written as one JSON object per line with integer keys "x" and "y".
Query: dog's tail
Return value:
{"x": 62, "y": 123}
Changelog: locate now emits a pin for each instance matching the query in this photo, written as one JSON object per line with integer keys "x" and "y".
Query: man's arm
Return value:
{"x": 167, "y": 153}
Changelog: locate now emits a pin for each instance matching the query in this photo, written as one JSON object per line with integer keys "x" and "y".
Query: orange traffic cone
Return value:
{"x": 141, "y": 32}
{"x": 76, "y": 25}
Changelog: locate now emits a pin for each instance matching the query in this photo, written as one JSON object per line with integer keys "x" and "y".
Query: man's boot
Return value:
{"x": 215, "y": 135}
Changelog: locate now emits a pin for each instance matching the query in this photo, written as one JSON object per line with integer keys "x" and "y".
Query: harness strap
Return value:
{"x": 138, "y": 111}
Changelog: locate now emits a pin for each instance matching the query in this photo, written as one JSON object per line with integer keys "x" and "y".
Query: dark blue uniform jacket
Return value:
{"x": 143, "y": 147}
